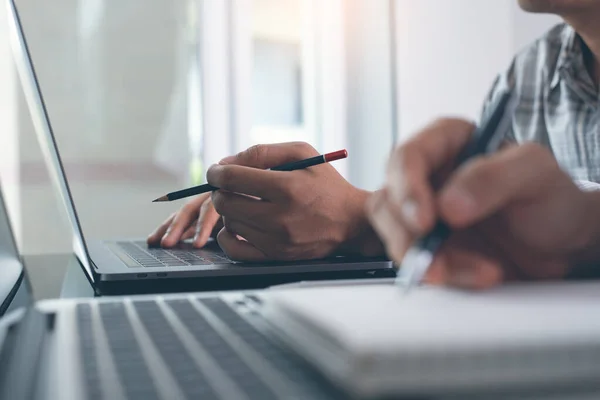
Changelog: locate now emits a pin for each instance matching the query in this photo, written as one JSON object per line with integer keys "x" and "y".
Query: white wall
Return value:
{"x": 527, "y": 27}
{"x": 449, "y": 53}
{"x": 369, "y": 123}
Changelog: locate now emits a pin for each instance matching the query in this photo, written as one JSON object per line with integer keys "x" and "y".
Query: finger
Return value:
{"x": 207, "y": 220}
{"x": 189, "y": 233}
{"x": 485, "y": 185}
{"x": 413, "y": 165}
{"x": 260, "y": 239}
{"x": 466, "y": 270}
{"x": 268, "y": 185}
{"x": 217, "y": 228}
{"x": 265, "y": 156}
{"x": 393, "y": 234}
{"x": 155, "y": 237}
{"x": 238, "y": 250}
{"x": 184, "y": 218}
{"x": 238, "y": 207}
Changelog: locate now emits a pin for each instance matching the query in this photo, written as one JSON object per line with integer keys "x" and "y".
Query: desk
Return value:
{"x": 56, "y": 275}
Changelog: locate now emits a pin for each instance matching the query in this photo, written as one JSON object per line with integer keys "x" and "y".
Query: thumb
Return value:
{"x": 486, "y": 185}
{"x": 266, "y": 156}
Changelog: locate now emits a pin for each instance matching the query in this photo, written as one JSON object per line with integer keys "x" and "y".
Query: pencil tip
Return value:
{"x": 162, "y": 198}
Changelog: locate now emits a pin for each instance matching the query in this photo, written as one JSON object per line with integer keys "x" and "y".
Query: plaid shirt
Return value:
{"x": 557, "y": 102}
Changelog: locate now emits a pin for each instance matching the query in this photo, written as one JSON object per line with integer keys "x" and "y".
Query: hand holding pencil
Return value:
{"x": 291, "y": 166}
{"x": 310, "y": 213}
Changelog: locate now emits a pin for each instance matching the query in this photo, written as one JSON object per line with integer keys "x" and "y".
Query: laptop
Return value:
{"x": 192, "y": 346}
{"x": 283, "y": 344}
{"x": 129, "y": 266}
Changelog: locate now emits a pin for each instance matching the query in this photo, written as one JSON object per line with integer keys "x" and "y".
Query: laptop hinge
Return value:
{"x": 18, "y": 372}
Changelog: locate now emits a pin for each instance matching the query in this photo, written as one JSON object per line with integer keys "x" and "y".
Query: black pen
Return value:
{"x": 419, "y": 257}
{"x": 292, "y": 166}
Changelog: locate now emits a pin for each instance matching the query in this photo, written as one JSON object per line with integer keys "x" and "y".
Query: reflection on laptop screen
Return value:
{"x": 11, "y": 268}
{"x": 44, "y": 132}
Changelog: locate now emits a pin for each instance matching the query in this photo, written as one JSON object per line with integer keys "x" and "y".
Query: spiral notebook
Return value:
{"x": 375, "y": 341}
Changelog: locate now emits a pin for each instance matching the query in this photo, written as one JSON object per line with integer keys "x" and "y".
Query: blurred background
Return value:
{"x": 144, "y": 95}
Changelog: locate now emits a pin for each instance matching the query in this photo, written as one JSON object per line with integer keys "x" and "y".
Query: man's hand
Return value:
{"x": 197, "y": 219}
{"x": 515, "y": 213}
{"x": 273, "y": 215}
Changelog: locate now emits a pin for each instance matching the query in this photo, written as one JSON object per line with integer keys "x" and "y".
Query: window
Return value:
{"x": 310, "y": 70}
{"x": 143, "y": 96}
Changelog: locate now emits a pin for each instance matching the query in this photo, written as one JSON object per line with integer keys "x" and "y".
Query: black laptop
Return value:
{"x": 129, "y": 266}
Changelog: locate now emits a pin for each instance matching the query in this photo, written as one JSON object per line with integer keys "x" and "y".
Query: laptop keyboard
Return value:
{"x": 256, "y": 380}
{"x": 156, "y": 257}
{"x": 126, "y": 353}
{"x": 189, "y": 377}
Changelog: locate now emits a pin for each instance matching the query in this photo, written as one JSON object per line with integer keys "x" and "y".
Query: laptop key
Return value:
{"x": 87, "y": 347}
{"x": 189, "y": 377}
{"x": 157, "y": 257}
{"x": 227, "y": 358}
{"x": 131, "y": 367}
{"x": 297, "y": 371}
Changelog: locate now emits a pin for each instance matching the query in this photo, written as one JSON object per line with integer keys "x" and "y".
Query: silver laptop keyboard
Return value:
{"x": 157, "y": 257}
{"x": 191, "y": 378}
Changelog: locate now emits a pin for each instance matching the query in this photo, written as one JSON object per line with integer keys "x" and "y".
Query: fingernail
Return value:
{"x": 410, "y": 212}
{"x": 227, "y": 160}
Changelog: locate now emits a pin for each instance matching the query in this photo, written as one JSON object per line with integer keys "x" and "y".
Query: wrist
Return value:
{"x": 360, "y": 238}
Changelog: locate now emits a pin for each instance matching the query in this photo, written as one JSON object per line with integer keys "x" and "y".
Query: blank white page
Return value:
{"x": 381, "y": 319}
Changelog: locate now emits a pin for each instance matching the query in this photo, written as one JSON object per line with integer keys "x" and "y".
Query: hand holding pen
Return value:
{"x": 476, "y": 222}
{"x": 414, "y": 220}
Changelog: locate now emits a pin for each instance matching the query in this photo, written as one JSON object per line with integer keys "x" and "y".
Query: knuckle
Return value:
{"x": 293, "y": 190}
{"x": 457, "y": 124}
{"x": 187, "y": 209}
{"x": 304, "y": 149}
{"x": 540, "y": 158}
{"x": 220, "y": 175}
{"x": 290, "y": 234}
{"x": 207, "y": 203}
{"x": 254, "y": 154}
{"x": 405, "y": 155}
{"x": 537, "y": 153}
{"x": 480, "y": 170}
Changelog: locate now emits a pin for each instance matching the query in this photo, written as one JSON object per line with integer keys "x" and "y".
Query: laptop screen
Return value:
{"x": 11, "y": 268}
{"x": 43, "y": 129}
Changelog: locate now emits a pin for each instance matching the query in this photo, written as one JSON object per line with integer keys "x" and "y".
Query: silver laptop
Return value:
{"x": 260, "y": 345}
{"x": 112, "y": 266}
{"x": 193, "y": 346}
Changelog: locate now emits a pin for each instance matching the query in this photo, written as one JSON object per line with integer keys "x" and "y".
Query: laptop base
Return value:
{"x": 173, "y": 285}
